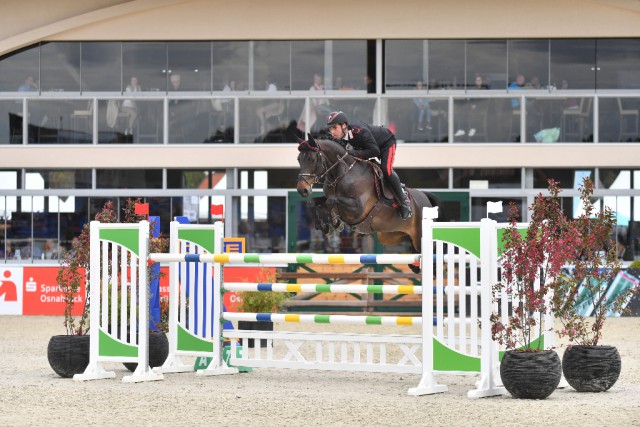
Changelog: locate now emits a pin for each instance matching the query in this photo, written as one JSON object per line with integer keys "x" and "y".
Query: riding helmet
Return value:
{"x": 337, "y": 117}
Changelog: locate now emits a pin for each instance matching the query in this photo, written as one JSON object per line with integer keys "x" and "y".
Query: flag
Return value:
{"x": 217, "y": 210}
{"x": 494, "y": 207}
{"x": 142, "y": 209}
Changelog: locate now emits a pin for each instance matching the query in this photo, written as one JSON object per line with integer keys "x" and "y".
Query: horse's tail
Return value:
{"x": 435, "y": 201}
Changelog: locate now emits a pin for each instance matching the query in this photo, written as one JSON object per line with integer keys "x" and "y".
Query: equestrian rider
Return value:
{"x": 366, "y": 142}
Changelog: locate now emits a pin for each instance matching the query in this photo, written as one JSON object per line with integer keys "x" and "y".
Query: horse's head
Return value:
{"x": 311, "y": 166}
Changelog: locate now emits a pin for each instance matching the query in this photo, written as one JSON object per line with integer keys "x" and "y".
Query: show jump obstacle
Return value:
{"x": 456, "y": 332}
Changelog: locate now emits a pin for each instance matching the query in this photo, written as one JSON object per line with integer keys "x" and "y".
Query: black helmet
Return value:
{"x": 337, "y": 117}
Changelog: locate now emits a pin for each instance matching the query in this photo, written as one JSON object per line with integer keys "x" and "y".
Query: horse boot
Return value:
{"x": 401, "y": 196}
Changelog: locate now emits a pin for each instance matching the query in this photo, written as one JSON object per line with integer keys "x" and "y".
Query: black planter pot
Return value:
{"x": 255, "y": 326}
{"x": 591, "y": 368}
{"x": 68, "y": 354}
{"x": 531, "y": 375}
{"x": 158, "y": 350}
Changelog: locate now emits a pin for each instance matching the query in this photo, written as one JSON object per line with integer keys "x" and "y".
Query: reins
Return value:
{"x": 318, "y": 178}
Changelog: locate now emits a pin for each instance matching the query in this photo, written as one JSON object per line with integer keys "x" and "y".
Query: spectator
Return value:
{"x": 272, "y": 109}
{"x": 422, "y": 109}
{"x": 129, "y": 106}
{"x": 319, "y": 107}
{"x": 29, "y": 85}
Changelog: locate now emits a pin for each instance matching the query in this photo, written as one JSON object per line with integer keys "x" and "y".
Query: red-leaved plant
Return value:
{"x": 591, "y": 269}
{"x": 531, "y": 262}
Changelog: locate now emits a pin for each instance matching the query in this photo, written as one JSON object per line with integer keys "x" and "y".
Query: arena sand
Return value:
{"x": 32, "y": 394}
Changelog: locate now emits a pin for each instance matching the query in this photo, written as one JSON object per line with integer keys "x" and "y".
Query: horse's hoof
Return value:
{"x": 414, "y": 268}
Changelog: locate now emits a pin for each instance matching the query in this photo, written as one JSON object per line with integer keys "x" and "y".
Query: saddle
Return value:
{"x": 383, "y": 189}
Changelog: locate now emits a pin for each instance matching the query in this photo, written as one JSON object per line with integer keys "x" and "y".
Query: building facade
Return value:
{"x": 185, "y": 104}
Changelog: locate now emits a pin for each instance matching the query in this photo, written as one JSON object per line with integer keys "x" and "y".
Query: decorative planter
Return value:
{"x": 158, "y": 350}
{"x": 591, "y": 368}
{"x": 255, "y": 326}
{"x": 530, "y": 375}
{"x": 68, "y": 354}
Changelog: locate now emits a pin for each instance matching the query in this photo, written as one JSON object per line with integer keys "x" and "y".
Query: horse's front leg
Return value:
{"x": 323, "y": 215}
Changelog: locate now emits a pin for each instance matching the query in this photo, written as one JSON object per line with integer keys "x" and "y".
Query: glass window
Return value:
{"x": 196, "y": 179}
{"x": 72, "y": 220}
{"x": 189, "y": 121}
{"x": 424, "y": 178}
{"x": 129, "y": 178}
{"x": 271, "y": 65}
{"x": 10, "y": 121}
{"x": 350, "y": 65}
{"x": 17, "y": 66}
{"x": 192, "y": 60}
{"x": 419, "y": 119}
{"x": 618, "y": 63}
{"x": 275, "y": 178}
{"x": 554, "y": 119}
{"x": 486, "y": 178}
{"x": 568, "y": 178}
{"x": 446, "y": 64}
{"x": 135, "y": 120}
{"x": 307, "y": 60}
{"x": 101, "y": 66}
{"x": 405, "y": 63}
{"x": 62, "y": 178}
{"x": 487, "y": 58}
{"x": 148, "y": 62}
{"x": 470, "y": 118}
{"x": 60, "y": 121}
{"x": 60, "y": 65}
{"x": 270, "y": 120}
{"x": 573, "y": 64}
{"x": 230, "y": 63}
{"x": 19, "y": 240}
{"x": 618, "y": 119}
{"x": 531, "y": 59}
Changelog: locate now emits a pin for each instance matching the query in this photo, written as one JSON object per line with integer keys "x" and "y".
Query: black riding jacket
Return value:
{"x": 368, "y": 140}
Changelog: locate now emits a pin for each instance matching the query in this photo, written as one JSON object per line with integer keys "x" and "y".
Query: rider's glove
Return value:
{"x": 350, "y": 149}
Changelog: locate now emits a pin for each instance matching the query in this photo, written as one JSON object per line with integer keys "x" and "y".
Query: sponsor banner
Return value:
{"x": 42, "y": 296}
{"x": 10, "y": 290}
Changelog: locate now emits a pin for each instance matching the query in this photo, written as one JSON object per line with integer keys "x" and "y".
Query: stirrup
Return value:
{"x": 405, "y": 211}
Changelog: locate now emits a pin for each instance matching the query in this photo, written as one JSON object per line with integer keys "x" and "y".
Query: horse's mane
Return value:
{"x": 321, "y": 144}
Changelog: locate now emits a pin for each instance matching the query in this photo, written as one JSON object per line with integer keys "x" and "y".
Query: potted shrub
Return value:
{"x": 69, "y": 354}
{"x": 532, "y": 258}
{"x": 592, "y": 289}
{"x": 260, "y": 302}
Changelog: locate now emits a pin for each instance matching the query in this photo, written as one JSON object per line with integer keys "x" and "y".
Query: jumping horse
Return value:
{"x": 355, "y": 195}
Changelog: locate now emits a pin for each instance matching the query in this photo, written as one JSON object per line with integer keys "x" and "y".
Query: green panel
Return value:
{"x": 446, "y": 359}
{"x": 204, "y": 362}
{"x": 127, "y": 237}
{"x": 189, "y": 342}
{"x": 203, "y": 238}
{"x": 111, "y": 347}
{"x": 468, "y": 238}
{"x": 501, "y": 232}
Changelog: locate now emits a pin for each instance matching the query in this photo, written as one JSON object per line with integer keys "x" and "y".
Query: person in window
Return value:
{"x": 272, "y": 109}
{"x": 517, "y": 84}
{"x": 422, "y": 109}
{"x": 29, "y": 85}
{"x": 471, "y": 113}
{"x": 319, "y": 106}
{"x": 129, "y": 106}
{"x": 366, "y": 142}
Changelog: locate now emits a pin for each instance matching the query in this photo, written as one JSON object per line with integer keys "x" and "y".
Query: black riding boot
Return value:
{"x": 401, "y": 196}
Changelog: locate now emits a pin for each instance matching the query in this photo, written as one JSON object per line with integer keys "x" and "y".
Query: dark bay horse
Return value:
{"x": 353, "y": 195}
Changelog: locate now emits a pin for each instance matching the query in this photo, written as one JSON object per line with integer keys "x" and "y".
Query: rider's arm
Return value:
{"x": 366, "y": 147}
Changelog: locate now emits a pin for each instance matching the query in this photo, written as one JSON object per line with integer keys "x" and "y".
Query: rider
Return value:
{"x": 367, "y": 141}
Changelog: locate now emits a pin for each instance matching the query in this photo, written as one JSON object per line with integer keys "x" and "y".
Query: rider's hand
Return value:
{"x": 350, "y": 150}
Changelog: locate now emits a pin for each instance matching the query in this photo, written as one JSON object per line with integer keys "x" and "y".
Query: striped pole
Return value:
{"x": 238, "y": 258}
{"x": 324, "y": 318}
{"x": 324, "y": 288}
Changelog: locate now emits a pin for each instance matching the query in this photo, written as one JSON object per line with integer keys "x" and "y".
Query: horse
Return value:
{"x": 355, "y": 195}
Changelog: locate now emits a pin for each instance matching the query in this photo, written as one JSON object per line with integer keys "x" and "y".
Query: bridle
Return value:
{"x": 317, "y": 177}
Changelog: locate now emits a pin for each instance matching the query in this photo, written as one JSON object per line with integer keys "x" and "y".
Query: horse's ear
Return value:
{"x": 312, "y": 141}
{"x": 308, "y": 145}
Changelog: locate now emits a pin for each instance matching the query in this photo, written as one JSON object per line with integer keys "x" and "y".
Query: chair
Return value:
{"x": 576, "y": 121}
{"x": 628, "y": 123}
{"x": 81, "y": 123}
